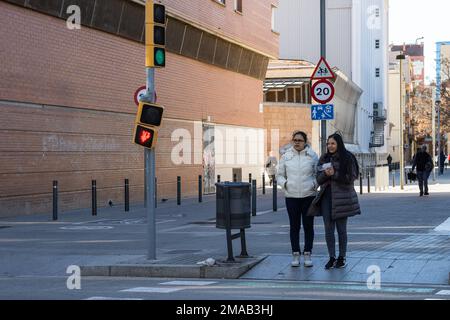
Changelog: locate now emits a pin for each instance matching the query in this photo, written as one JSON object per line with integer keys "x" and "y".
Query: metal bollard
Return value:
{"x": 368, "y": 182}
{"x": 55, "y": 200}
{"x": 127, "y": 195}
{"x": 254, "y": 198}
{"x": 274, "y": 194}
{"x": 263, "y": 184}
{"x": 94, "y": 197}
{"x": 360, "y": 184}
{"x": 393, "y": 179}
{"x": 200, "y": 188}
{"x": 178, "y": 190}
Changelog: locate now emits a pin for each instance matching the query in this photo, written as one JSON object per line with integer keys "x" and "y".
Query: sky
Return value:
{"x": 412, "y": 19}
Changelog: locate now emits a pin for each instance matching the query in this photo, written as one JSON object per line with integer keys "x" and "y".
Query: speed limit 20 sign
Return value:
{"x": 322, "y": 91}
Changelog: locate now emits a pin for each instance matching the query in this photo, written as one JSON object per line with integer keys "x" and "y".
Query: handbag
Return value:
{"x": 314, "y": 208}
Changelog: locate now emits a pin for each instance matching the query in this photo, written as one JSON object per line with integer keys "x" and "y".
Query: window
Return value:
{"x": 377, "y": 44}
{"x": 274, "y": 12}
{"x": 238, "y": 6}
{"x": 281, "y": 96}
{"x": 291, "y": 95}
{"x": 377, "y": 72}
{"x": 271, "y": 96}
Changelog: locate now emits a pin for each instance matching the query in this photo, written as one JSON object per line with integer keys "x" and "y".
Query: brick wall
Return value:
{"x": 252, "y": 27}
{"x": 286, "y": 119}
{"x": 67, "y": 113}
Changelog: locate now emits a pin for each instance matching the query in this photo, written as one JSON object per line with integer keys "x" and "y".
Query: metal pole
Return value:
{"x": 274, "y": 194}
{"x": 227, "y": 212}
{"x": 393, "y": 179}
{"x": 254, "y": 198}
{"x": 55, "y": 200}
{"x": 402, "y": 164}
{"x": 200, "y": 188}
{"x": 178, "y": 190}
{"x": 323, "y": 53}
{"x": 94, "y": 197}
{"x": 438, "y": 105}
{"x": 127, "y": 195}
{"x": 433, "y": 128}
{"x": 368, "y": 182}
{"x": 150, "y": 174}
{"x": 360, "y": 184}
{"x": 263, "y": 184}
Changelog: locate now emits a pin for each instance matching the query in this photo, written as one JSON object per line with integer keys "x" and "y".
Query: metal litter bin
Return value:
{"x": 233, "y": 200}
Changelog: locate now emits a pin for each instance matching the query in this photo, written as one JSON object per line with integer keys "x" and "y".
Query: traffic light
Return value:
{"x": 148, "y": 121}
{"x": 155, "y": 35}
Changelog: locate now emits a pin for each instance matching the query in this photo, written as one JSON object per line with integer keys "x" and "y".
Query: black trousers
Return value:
{"x": 297, "y": 209}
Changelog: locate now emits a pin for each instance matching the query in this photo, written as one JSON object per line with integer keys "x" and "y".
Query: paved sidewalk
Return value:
{"x": 397, "y": 232}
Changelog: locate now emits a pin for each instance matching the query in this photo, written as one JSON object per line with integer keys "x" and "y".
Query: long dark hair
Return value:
{"x": 346, "y": 158}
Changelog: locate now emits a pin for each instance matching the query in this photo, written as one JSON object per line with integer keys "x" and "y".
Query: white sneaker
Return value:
{"x": 308, "y": 261}
{"x": 295, "y": 259}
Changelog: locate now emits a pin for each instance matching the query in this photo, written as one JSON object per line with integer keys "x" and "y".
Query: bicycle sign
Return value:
{"x": 322, "y": 91}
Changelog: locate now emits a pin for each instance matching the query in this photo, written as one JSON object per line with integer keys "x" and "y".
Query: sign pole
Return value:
{"x": 323, "y": 124}
{"x": 150, "y": 177}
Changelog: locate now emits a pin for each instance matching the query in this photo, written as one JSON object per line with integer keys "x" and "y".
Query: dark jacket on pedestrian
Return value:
{"x": 344, "y": 200}
{"x": 422, "y": 160}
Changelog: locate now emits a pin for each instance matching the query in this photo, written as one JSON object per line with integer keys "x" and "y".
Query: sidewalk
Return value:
{"x": 397, "y": 232}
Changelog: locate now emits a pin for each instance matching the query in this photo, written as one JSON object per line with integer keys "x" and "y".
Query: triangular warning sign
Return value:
{"x": 323, "y": 70}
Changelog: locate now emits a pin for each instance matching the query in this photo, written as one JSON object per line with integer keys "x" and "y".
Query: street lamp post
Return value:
{"x": 401, "y": 57}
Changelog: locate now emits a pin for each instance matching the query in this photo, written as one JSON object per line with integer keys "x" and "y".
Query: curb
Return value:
{"x": 220, "y": 271}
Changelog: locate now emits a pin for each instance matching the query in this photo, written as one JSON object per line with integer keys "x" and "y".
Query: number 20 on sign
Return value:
{"x": 322, "y": 91}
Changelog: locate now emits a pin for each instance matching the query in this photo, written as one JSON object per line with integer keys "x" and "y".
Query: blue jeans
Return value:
{"x": 423, "y": 176}
{"x": 297, "y": 209}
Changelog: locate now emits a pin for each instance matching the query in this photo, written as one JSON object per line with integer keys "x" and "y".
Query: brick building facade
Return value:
{"x": 66, "y": 96}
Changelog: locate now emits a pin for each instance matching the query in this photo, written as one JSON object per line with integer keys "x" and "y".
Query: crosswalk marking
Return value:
{"x": 112, "y": 298}
{"x": 188, "y": 283}
{"x": 444, "y": 293}
{"x": 152, "y": 290}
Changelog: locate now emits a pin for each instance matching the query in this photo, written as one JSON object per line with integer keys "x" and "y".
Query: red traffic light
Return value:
{"x": 144, "y": 136}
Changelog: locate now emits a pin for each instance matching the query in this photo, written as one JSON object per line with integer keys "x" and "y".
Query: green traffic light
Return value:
{"x": 160, "y": 57}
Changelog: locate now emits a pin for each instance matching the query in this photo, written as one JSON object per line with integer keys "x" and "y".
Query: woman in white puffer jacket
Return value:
{"x": 297, "y": 176}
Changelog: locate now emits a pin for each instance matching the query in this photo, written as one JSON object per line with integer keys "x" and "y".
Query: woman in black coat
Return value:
{"x": 338, "y": 169}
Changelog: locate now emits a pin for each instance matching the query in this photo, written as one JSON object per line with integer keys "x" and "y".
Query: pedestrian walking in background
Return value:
{"x": 442, "y": 158}
{"x": 337, "y": 171}
{"x": 271, "y": 167}
{"x": 296, "y": 175}
{"x": 389, "y": 161}
{"x": 424, "y": 164}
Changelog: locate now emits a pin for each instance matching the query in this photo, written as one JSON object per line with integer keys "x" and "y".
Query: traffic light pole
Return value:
{"x": 150, "y": 175}
{"x": 323, "y": 52}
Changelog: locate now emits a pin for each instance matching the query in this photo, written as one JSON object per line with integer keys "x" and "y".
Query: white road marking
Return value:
{"x": 444, "y": 226}
{"x": 444, "y": 293}
{"x": 152, "y": 290}
{"x": 269, "y": 211}
{"x": 188, "y": 283}
{"x": 111, "y": 298}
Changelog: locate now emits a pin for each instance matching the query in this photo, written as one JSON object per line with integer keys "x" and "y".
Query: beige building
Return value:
{"x": 287, "y": 105}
